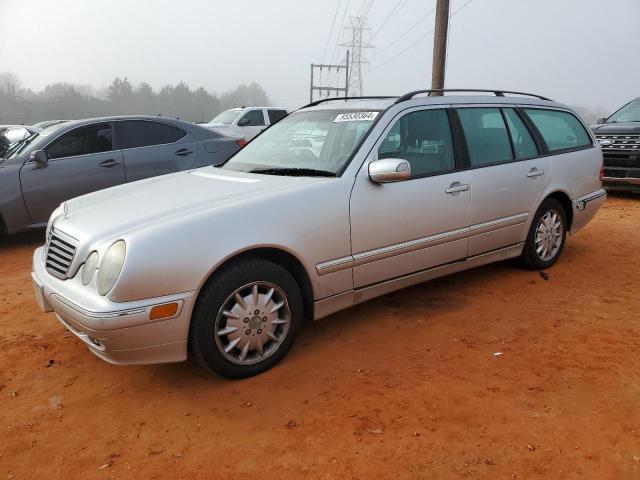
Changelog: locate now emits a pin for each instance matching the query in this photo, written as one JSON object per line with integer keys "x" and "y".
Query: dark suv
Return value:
{"x": 619, "y": 137}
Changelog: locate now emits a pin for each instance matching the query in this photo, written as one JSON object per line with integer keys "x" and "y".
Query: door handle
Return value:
{"x": 109, "y": 163}
{"x": 456, "y": 187}
{"x": 535, "y": 172}
{"x": 183, "y": 152}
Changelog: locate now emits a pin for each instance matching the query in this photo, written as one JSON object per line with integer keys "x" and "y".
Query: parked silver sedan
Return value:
{"x": 338, "y": 203}
{"x": 70, "y": 159}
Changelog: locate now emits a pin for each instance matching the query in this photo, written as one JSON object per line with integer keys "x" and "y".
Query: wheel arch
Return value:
{"x": 281, "y": 257}
{"x": 565, "y": 201}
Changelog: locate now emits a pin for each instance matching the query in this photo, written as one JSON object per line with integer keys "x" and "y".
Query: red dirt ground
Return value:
{"x": 405, "y": 386}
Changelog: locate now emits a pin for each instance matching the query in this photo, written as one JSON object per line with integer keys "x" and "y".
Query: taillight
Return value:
{"x": 241, "y": 143}
{"x": 601, "y": 173}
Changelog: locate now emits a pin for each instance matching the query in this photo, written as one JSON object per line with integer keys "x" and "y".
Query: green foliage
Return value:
{"x": 66, "y": 101}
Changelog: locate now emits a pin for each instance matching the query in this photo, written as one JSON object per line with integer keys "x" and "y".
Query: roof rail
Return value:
{"x": 322, "y": 100}
{"x": 497, "y": 93}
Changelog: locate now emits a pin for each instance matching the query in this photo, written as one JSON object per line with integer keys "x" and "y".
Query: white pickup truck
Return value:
{"x": 246, "y": 121}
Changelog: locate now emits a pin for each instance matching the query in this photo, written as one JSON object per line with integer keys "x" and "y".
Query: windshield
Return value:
{"x": 321, "y": 141}
{"x": 27, "y": 145}
{"x": 629, "y": 113}
{"x": 226, "y": 117}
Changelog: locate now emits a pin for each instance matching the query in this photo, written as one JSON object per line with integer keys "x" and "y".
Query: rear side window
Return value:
{"x": 252, "y": 118}
{"x": 144, "y": 133}
{"x": 276, "y": 115}
{"x": 422, "y": 138}
{"x": 486, "y": 135}
{"x": 560, "y": 130}
{"x": 83, "y": 141}
{"x": 523, "y": 143}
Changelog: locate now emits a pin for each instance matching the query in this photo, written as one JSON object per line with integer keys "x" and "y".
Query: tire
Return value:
{"x": 553, "y": 213}
{"x": 238, "y": 327}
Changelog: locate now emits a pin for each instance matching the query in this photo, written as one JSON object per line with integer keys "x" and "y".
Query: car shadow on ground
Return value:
{"x": 435, "y": 299}
{"x": 33, "y": 238}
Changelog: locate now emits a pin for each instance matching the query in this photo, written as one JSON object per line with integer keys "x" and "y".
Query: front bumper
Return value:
{"x": 119, "y": 333}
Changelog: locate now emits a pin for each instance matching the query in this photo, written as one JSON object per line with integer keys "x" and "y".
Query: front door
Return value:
{"x": 507, "y": 176}
{"x": 413, "y": 225}
{"x": 79, "y": 162}
{"x": 251, "y": 124}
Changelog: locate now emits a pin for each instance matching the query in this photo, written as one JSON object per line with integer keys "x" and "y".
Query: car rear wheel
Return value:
{"x": 246, "y": 319}
{"x": 546, "y": 237}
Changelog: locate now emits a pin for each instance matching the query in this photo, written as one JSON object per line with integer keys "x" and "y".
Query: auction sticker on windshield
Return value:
{"x": 356, "y": 117}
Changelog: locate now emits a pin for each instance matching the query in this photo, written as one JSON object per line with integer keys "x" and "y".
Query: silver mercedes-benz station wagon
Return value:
{"x": 340, "y": 202}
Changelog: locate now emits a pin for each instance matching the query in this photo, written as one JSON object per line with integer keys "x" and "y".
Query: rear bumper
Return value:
{"x": 585, "y": 208}
{"x": 119, "y": 333}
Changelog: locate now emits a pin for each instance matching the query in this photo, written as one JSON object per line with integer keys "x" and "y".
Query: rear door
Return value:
{"x": 80, "y": 161}
{"x": 507, "y": 175}
{"x": 154, "y": 148}
{"x": 275, "y": 115}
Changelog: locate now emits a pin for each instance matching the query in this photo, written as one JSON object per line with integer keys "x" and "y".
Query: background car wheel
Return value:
{"x": 546, "y": 237}
{"x": 246, "y": 318}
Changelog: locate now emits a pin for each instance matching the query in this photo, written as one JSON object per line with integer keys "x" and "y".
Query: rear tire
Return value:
{"x": 546, "y": 236}
{"x": 246, "y": 319}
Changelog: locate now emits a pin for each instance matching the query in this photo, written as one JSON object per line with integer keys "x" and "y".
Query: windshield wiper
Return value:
{"x": 294, "y": 172}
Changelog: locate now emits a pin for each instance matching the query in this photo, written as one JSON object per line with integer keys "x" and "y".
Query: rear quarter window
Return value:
{"x": 560, "y": 130}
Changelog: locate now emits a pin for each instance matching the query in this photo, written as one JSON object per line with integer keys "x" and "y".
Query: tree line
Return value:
{"x": 61, "y": 100}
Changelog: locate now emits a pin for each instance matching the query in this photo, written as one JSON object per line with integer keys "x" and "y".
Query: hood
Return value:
{"x": 131, "y": 206}
{"x": 216, "y": 125}
{"x": 621, "y": 128}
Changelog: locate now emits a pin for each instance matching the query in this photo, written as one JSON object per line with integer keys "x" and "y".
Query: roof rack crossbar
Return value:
{"x": 322, "y": 100}
{"x": 497, "y": 93}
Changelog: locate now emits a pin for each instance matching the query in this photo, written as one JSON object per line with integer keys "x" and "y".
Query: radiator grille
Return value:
{"x": 59, "y": 254}
{"x": 619, "y": 142}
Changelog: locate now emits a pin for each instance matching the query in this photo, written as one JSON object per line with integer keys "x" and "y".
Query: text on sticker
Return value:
{"x": 356, "y": 117}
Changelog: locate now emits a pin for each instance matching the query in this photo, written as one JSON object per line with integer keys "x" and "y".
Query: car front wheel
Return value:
{"x": 246, "y": 318}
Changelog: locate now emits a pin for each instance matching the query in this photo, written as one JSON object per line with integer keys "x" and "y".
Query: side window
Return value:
{"x": 252, "y": 118}
{"x": 82, "y": 141}
{"x": 144, "y": 133}
{"x": 69, "y": 145}
{"x": 523, "y": 143}
{"x": 276, "y": 115}
{"x": 560, "y": 130}
{"x": 486, "y": 135}
{"x": 424, "y": 139}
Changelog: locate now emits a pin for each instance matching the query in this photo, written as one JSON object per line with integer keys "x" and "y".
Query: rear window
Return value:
{"x": 144, "y": 133}
{"x": 486, "y": 135}
{"x": 560, "y": 130}
{"x": 276, "y": 115}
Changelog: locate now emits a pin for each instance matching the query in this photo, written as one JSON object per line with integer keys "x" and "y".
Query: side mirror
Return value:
{"x": 601, "y": 120}
{"x": 389, "y": 170}
{"x": 244, "y": 122}
{"x": 39, "y": 157}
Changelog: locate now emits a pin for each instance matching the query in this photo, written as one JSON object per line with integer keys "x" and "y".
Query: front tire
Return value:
{"x": 546, "y": 237}
{"x": 246, "y": 319}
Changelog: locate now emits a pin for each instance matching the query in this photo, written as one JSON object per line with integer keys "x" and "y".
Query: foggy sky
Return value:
{"x": 580, "y": 52}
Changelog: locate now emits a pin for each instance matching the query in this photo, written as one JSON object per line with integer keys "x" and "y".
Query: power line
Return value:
{"x": 394, "y": 11}
{"x": 409, "y": 30}
{"x": 335, "y": 15}
{"x": 422, "y": 37}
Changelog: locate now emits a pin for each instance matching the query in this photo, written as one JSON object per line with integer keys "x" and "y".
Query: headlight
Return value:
{"x": 111, "y": 266}
{"x": 56, "y": 213}
{"x": 89, "y": 268}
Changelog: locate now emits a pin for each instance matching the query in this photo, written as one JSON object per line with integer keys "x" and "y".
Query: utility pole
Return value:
{"x": 358, "y": 47}
{"x": 440, "y": 45}
{"x": 328, "y": 89}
